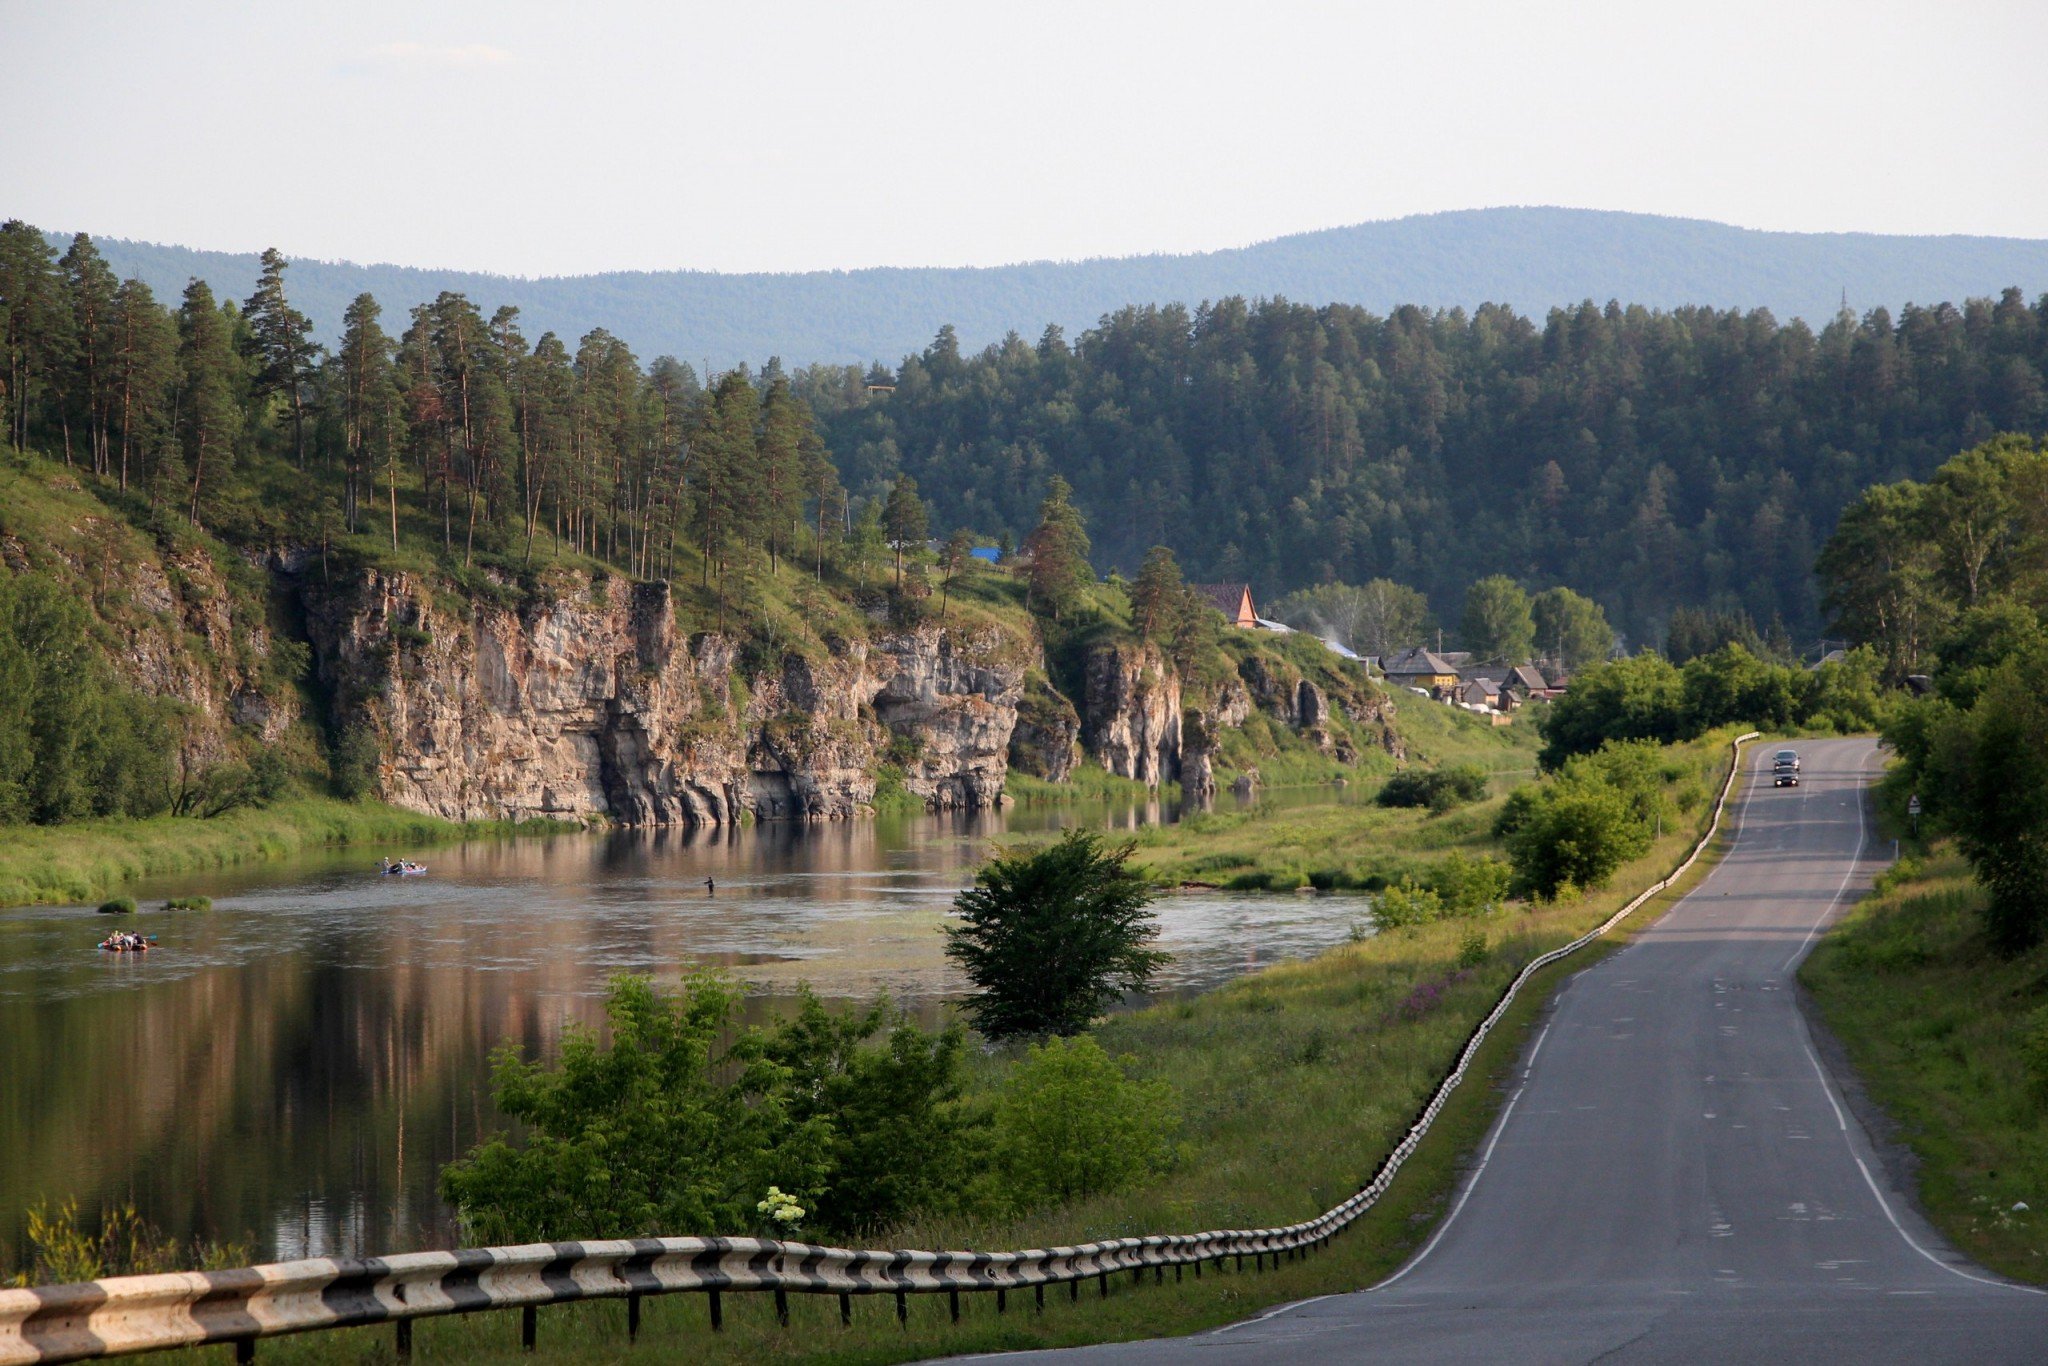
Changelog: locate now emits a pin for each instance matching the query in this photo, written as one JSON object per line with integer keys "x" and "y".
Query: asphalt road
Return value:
{"x": 1677, "y": 1177}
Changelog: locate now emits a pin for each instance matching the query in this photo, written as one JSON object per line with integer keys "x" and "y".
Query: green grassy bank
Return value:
{"x": 1294, "y": 1083}
{"x": 85, "y": 860}
{"x": 1952, "y": 1042}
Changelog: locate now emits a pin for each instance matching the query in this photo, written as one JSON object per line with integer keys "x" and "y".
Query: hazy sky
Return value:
{"x": 565, "y": 138}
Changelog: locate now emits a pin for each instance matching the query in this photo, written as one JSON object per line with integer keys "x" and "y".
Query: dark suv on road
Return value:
{"x": 1785, "y": 768}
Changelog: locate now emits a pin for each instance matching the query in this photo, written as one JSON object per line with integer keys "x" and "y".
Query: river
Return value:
{"x": 290, "y": 1070}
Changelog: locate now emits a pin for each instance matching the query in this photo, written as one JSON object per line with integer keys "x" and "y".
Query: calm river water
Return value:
{"x": 291, "y": 1070}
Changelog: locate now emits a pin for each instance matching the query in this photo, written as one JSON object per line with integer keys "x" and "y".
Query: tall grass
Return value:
{"x": 1952, "y": 1042}
{"x": 82, "y": 861}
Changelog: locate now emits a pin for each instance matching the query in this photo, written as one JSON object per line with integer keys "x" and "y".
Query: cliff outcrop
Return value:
{"x": 590, "y": 704}
{"x": 1131, "y": 713}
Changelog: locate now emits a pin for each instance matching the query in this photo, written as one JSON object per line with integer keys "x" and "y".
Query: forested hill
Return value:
{"x": 1532, "y": 258}
{"x": 1651, "y": 459}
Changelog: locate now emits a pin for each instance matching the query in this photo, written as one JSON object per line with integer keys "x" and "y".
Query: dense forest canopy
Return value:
{"x": 1653, "y": 461}
{"x": 1649, "y": 459}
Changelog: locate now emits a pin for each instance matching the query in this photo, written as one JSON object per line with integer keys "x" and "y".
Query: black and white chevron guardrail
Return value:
{"x": 126, "y": 1314}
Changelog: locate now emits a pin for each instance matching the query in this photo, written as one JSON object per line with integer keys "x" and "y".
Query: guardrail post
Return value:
{"x": 902, "y": 1309}
{"x": 632, "y": 1318}
{"x": 529, "y": 1327}
{"x": 1002, "y": 1299}
{"x": 1137, "y": 1275}
{"x": 405, "y": 1340}
{"x": 1240, "y": 1261}
{"x": 245, "y": 1351}
{"x": 1198, "y": 1268}
{"x": 1176, "y": 1273}
{"x": 845, "y": 1310}
{"x": 1158, "y": 1274}
{"x": 1040, "y": 1296}
{"x": 717, "y": 1313}
{"x": 1074, "y": 1291}
{"x": 953, "y": 1299}
{"x": 1102, "y": 1284}
{"x": 782, "y": 1306}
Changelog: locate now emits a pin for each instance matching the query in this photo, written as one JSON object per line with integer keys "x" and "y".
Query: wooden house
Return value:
{"x": 1419, "y": 668}
{"x": 1233, "y": 600}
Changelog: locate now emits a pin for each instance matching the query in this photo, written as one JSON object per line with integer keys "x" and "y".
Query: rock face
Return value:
{"x": 1201, "y": 730}
{"x": 1046, "y": 740}
{"x": 1132, "y": 711}
{"x": 589, "y": 704}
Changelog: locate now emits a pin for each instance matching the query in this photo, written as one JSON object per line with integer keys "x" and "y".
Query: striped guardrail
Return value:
{"x": 127, "y": 1314}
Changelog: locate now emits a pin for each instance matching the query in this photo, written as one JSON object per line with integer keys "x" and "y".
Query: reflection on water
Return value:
{"x": 292, "y": 1069}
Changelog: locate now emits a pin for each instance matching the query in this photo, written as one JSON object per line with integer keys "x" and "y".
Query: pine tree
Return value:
{"x": 281, "y": 348}
{"x": 953, "y": 560}
{"x": 209, "y": 416}
{"x": 1058, "y": 546}
{"x": 33, "y": 327}
{"x": 90, "y": 288}
{"x": 905, "y": 520}
{"x": 785, "y": 434}
{"x": 1156, "y": 594}
{"x": 144, "y": 345}
{"x": 368, "y": 396}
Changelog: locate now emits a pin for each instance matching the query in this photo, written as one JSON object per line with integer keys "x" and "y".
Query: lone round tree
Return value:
{"x": 1052, "y": 937}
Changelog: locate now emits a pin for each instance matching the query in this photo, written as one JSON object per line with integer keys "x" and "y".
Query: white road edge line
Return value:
{"x": 1274, "y": 1312}
{"x": 1530, "y": 1065}
{"x": 1855, "y": 863}
{"x": 1500, "y": 1127}
{"x": 1885, "y": 1205}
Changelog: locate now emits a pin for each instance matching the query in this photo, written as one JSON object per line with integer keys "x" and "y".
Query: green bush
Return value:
{"x": 1582, "y": 825}
{"x": 189, "y": 903}
{"x": 1069, "y": 1124}
{"x": 120, "y": 905}
{"x": 1472, "y": 949}
{"x": 679, "y": 1123}
{"x": 1407, "y": 904}
{"x": 1052, "y": 937}
{"x": 1438, "y": 789}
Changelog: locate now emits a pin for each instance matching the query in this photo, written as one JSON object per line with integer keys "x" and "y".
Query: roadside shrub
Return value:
{"x": 1469, "y": 887}
{"x": 1069, "y": 1123}
{"x": 120, "y": 905}
{"x": 61, "y": 1248}
{"x": 1407, "y": 904}
{"x": 680, "y": 1122}
{"x": 1575, "y": 836}
{"x": 1472, "y": 949}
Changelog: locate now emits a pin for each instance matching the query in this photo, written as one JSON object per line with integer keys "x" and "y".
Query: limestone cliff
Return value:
{"x": 589, "y": 704}
{"x": 1130, "y": 713}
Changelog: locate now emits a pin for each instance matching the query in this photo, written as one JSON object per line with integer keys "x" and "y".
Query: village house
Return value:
{"x": 1477, "y": 692}
{"x": 1233, "y": 600}
{"x": 1420, "y": 668}
{"x": 1526, "y": 681}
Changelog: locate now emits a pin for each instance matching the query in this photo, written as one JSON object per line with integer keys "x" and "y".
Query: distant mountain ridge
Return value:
{"x": 1529, "y": 258}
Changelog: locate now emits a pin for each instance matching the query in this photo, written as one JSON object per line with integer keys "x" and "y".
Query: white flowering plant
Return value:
{"x": 781, "y": 1211}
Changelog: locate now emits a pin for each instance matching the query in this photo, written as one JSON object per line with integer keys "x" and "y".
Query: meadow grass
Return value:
{"x": 81, "y": 861}
{"x": 1938, "y": 1027}
{"x": 1294, "y": 1084}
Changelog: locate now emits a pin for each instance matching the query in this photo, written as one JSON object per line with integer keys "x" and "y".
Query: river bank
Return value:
{"x": 1951, "y": 1042}
{"x": 86, "y": 860}
{"x": 1295, "y": 1082}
